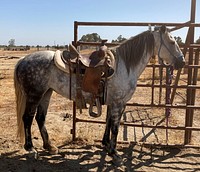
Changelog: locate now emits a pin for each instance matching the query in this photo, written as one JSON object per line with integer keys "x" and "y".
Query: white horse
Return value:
{"x": 36, "y": 77}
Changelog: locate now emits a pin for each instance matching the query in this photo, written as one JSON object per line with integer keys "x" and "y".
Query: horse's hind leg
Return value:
{"x": 40, "y": 118}
{"x": 28, "y": 119}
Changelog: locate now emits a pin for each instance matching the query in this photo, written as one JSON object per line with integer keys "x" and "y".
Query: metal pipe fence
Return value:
{"x": 190, "y": 87}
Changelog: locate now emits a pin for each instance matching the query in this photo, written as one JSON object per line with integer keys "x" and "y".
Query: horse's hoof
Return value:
{"x": 105, "y": 141}
{"x": 107, "y": 148}
{"x": 33, "y": 154}
{"x": 53, "y": 150}
{"x": 117, "y": 159}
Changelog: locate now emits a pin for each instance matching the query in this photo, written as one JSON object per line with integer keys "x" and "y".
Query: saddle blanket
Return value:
{"x": 60, "y": 63}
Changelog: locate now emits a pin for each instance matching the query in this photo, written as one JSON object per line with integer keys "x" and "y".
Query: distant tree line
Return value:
{"x": 93, "y": 37}
{"x": 13, "y": 47}
{"x": 119, "y": 39}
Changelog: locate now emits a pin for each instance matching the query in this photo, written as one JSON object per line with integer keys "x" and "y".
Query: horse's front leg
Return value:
{"x": 115, "y": 112}
{"x": 106, "y": 137}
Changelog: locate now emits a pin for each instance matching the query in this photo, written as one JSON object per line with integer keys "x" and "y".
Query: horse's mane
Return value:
{"x": 132, "y": 50}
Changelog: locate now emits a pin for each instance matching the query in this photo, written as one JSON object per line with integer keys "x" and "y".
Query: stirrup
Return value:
{"x": 99, "y": 108}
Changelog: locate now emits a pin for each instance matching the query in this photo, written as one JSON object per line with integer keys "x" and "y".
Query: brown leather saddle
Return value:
{"x": 93, "y": 71}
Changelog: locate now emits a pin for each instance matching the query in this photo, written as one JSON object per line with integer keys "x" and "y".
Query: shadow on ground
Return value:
{"x": 94, "y": 158}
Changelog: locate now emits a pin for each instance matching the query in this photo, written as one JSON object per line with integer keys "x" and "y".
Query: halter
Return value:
{"x": 163, "y": 43}
{"x": 169, "y": 76}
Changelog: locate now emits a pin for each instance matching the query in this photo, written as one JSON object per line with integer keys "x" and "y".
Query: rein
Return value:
{"x": 169, "y": 76}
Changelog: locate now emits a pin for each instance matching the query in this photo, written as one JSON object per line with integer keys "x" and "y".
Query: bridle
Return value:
{"x": 162, "y": 43}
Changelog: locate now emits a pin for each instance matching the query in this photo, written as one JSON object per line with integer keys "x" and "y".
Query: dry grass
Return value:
{"x": 58, "y": 103}
{"x": 59, "y": 124}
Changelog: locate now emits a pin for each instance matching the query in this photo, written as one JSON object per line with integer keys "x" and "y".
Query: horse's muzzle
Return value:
{"x": 179, "y": 63}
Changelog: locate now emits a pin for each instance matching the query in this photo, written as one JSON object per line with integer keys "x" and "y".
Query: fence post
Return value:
{"x": 190, "y": 93}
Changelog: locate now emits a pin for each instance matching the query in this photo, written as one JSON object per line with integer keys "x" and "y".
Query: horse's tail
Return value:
{"x": 20, "y": 104}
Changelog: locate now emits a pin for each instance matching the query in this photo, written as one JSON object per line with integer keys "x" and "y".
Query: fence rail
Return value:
{"x": 191, "y": 81}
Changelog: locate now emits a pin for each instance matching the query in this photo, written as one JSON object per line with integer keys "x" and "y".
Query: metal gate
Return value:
{"x": 161, "y": 85}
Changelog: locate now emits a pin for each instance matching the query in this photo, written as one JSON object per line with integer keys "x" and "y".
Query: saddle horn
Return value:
{"x": 103, "y": 48}
{"x": 73, "y": 52}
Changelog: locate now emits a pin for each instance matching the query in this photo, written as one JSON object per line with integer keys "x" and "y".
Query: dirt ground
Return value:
{"x": 86, "y": 154}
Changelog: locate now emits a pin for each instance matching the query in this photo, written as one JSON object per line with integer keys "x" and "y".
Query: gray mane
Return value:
{"x": 132, "y": 50}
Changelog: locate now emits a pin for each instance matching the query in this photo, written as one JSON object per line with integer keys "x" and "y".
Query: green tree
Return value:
{"x": 94, "y": 37}
{"x": 119, "y": 39}
{"x": 47, "y": 47}
{"x": 11, "y": 42}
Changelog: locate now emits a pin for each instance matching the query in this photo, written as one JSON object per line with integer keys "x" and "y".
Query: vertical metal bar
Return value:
{"x": 70, "y": 80}
{"x": 125, "y": 136}
{"x": 161, "y": 81}
{"x": 187, "y": 42}
{"x": 196, "y": 62}
{"x": 189, "y": 112}
{"x": 73, "y": 132}
{"x": 152, "y": 85}
{"x": 79, "y": 97}
{"x": 195, "y": 75}
{"x": 75, "y": 33}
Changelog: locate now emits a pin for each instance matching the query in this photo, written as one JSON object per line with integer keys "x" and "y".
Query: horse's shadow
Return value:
{"x": 94, "y": 158}
{"x": 160, "y": 159}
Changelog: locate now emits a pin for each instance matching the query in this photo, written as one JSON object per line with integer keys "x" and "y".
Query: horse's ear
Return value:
{"x": 156, "y": 28}
{"x": 163, "y": 28}
{"x": 150, "y": 28}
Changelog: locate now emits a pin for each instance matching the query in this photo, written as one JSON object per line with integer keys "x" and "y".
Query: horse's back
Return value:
{"x": 37, "y": 58}
{"x": 33, "y": 71}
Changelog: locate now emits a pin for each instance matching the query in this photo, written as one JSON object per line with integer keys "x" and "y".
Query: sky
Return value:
{"x": 51, "y": 22}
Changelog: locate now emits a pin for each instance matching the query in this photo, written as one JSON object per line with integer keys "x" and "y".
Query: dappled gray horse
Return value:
{"x": 36, "y": 77}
